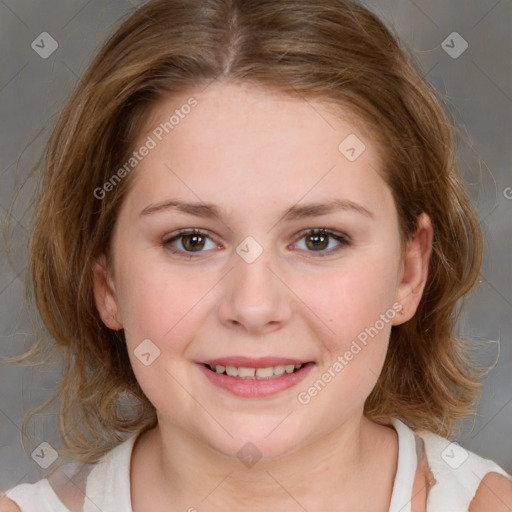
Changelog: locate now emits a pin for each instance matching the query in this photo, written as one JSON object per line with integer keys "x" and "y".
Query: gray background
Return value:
{"x": 476, "y": 85}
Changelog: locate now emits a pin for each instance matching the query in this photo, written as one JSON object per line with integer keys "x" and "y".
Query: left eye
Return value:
{"x": 318, "y": 239}
{"x": 194, "y": 241}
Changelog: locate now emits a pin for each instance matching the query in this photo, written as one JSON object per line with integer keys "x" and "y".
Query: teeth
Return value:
{"x": 262, "y": 372}
{"x": 256, "y": 373}
{"x": 232, "y": 371}
{"x": 249, "y": 372}
{"x": 279, "y": 370}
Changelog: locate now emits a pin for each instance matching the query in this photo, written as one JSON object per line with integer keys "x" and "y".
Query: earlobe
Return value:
{"x": 415, "y": 269}
{"x": 104, "y": 294}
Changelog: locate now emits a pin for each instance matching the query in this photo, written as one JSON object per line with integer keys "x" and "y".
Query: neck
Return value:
{"x": 329, "y": 473}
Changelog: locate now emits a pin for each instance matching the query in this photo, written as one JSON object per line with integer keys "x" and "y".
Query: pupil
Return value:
{"x": 318, "y": 238}
{"x": 188, "y": 238}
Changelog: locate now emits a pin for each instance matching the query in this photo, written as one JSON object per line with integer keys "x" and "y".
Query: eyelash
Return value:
{"x": 341, "y": 238}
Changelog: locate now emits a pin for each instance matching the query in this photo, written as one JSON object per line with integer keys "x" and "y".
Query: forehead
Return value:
{"x": 240, "y": 142}
{"x": 229, "y": 105}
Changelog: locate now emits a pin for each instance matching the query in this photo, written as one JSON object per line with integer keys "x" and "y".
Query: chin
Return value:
{"x": 261, "y": 441}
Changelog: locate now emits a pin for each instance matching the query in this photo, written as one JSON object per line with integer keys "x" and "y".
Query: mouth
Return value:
{"x": 252, "y": 373}
{"x": 255, "y": 378}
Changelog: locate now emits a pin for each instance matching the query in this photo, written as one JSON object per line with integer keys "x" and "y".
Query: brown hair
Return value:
{"x": 332, "y": 50}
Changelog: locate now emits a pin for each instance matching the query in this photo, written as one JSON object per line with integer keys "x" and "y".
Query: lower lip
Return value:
{"x": 252, "y": 388}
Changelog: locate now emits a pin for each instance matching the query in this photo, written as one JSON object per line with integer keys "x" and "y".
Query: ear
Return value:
{"x": 414, "y": 271}
{"x": 105, "y": 295}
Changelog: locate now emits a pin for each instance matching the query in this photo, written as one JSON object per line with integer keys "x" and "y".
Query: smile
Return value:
{"x": 242, "y": 372}
{"x": 249, "y": 380}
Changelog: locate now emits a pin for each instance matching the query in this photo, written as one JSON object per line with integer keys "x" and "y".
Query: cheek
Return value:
{"x": 351, "y": 299}
{"x": 161, "y": 307}
{"x": 161, "y": 304}
{"x": 354, "y": 310}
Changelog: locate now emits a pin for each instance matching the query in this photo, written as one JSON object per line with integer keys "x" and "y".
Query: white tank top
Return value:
{"x": 457, "y": 473}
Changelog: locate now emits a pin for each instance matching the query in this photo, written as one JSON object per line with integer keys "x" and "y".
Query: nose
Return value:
{"x": 255, "y": 297}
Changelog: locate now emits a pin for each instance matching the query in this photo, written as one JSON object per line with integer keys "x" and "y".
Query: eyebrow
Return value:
{"x": 211, "y": 211}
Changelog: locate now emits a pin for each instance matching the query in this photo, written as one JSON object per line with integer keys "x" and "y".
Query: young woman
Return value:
{"x": 249, "y": 246}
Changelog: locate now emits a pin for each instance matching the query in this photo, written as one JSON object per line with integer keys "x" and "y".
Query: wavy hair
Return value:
{"x": 333, "y": 50}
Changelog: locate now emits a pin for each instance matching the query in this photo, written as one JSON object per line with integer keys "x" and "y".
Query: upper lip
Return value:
{"x": 253, "y": 362}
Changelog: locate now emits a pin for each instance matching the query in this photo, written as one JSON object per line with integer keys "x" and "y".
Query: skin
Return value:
{"x": 321, "y": 456}
{"x": 255, "y": 153}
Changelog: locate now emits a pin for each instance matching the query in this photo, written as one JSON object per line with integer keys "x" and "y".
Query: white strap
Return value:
{"x": 36, "y": 497}
{"x": 406, "y": 468}
{"x": 458, "y": 473}
{"x": 108, "y": 485}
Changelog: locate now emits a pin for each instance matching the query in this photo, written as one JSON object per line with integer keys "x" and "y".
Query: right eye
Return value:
{"x": 191, "y": 241}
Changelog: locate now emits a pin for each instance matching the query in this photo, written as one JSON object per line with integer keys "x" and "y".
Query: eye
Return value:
{"x": 188, "y": 241}
{"x": 317, "y": 240}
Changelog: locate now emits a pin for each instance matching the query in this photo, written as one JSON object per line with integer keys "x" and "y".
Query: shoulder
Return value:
{"x": 494, "y": 493}
{"x": 7, "y": 505}
{"x": 463, "y": 477}
{"x": 462, "y": 480}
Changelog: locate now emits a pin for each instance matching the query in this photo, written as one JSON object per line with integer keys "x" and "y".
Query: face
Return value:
{"x": 289, "y": 256}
